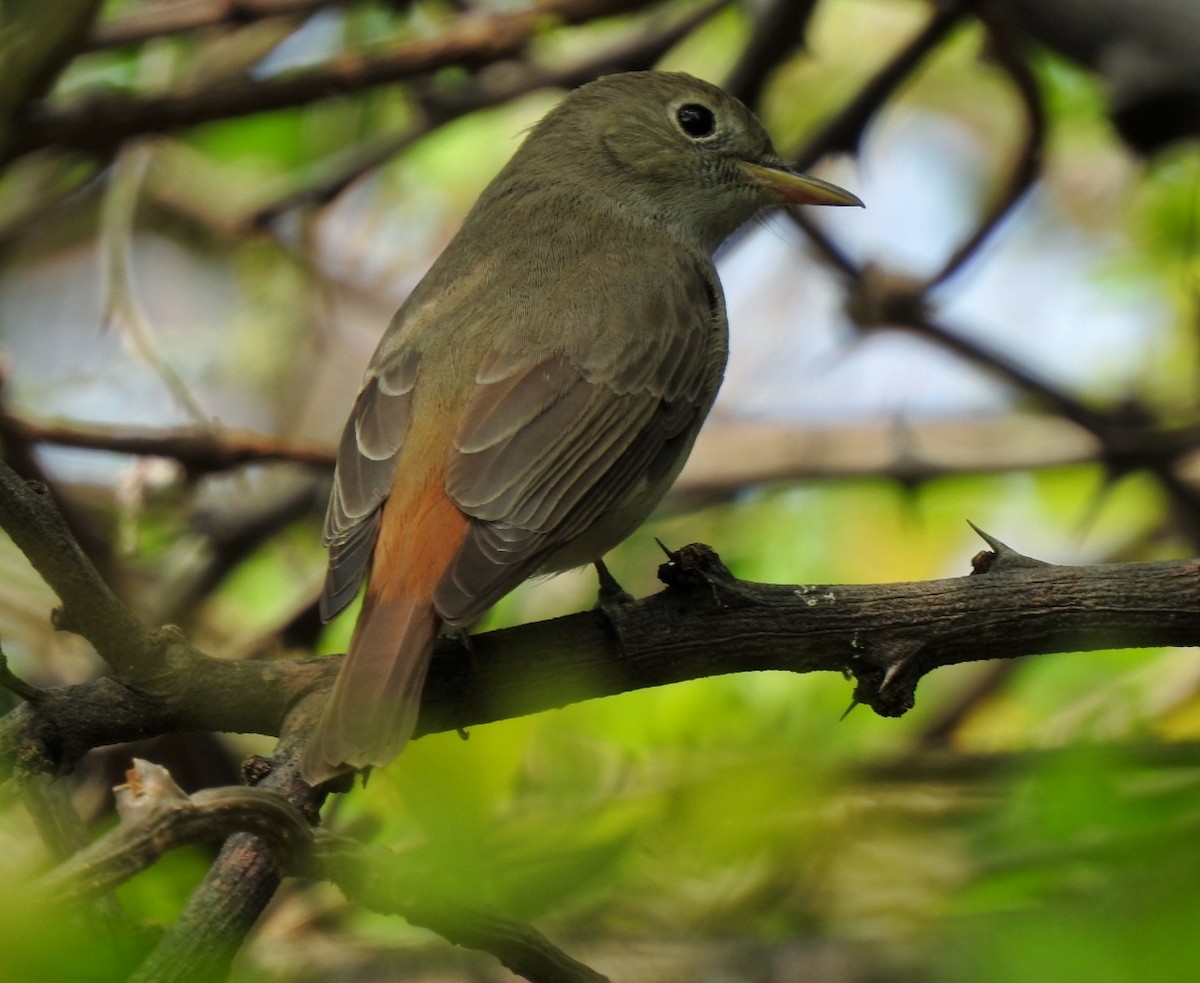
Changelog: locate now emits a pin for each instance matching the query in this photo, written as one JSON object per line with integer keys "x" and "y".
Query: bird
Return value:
{"x": 536, "y": 395}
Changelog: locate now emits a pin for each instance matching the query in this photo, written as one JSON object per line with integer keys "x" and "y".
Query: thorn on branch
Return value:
{"x": 612, "y": 594}
{"x": 696, "y": 570}
{"x": 1001, "y": 556}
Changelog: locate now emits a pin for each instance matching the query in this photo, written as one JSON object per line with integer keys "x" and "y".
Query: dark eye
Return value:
{"x": 695, "y": 120}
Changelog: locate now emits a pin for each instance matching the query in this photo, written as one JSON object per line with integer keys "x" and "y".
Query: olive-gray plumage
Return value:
{"x": 538, "y": 392}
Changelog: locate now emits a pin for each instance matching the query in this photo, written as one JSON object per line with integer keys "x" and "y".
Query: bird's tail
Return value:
{"x": 373, "y": 708}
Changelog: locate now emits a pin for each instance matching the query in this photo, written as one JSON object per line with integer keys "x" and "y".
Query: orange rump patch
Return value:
{"x": 419, "y": 533}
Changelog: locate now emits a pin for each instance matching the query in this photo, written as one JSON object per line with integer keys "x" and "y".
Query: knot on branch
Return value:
{"x": 157, "y": 816}
{"x": 169, "y": 656}
{"x": 884, "y": 298}
{"x": 30, "y": 745}
{"x": 696, "y": 571}
{"x": 886, "y": 679}
{"x": 256, "y": 768}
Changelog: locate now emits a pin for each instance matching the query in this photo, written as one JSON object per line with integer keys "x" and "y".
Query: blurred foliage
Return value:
{"x": 1047, "y": 837}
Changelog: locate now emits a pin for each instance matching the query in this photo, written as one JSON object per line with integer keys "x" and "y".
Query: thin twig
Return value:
{"x": 158, "y": 817}
{"x": 198, "y": 451}
{"x": 441, "y": 105}
{"x": 1011, "y": 58}
{"x": 779, "y": 30}
{"x": 149, "y": 21}
{"x": 99, "y": 123}
{"x": 843, "y": 132}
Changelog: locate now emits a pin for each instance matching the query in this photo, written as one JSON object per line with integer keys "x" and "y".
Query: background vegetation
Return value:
{"x": 208, "y": 212}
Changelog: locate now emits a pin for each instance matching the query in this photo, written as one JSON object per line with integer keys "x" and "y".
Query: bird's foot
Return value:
{"x": 462, "y": 639}
{"x": 612, "y": 598}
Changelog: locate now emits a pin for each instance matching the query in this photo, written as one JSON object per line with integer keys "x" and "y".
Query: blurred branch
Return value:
{"x": 123, "y": 311}
{"x": 940, "y": 731}
{"x": 99, "y": 123}
{"x": 844, "y": 131}
{"x": 162, "y": 683}
{"x": 28, "y": 515}
{"x": 908, "y": 450}
{"x": 1144, "y": 54}
{"x": 441, "y": 105}
{"x": 162, "y": 19}
{"x": 199, "y": 452}
{"x": 48, "y": 802}
{"x": 19, "y": 454}
{"x": 732, "y": 456}
{"x": 201, "y": 943}
{"x": 382, "y": 881}
{"x": 35, "y": 48}
{"x": 779, "y": 30}
{"x": 1130, "y": 436}
{"x": 157, "y": 816}
{"x": 54, "y": 184}
{"x": 1009, "y": 53}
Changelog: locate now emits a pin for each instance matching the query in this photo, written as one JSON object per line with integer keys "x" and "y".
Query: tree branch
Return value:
{"x": 29, "y": 516}
{"x": 201, "y": 943}
{"x": 706, "y": 623}
{"x": 842, "y": 133}
{"x": 1028, "y": 166}
{"x": 99, "y": 123}
{"x": 157, "y": 816}
{"x": 441, "y": 105}
{"x": 381, "y": 880}
{"x": 163, "y": 19}
{"x": 199, "y": 451}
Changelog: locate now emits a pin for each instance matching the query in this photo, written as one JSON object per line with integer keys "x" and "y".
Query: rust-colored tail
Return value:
{"x": 373, "y": 708}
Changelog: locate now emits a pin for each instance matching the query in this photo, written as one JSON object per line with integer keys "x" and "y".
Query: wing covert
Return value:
{"x": 366, "y": 466}
{"x": 550, "y": 445}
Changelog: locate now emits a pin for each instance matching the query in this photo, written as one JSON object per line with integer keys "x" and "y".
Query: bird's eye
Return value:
{"x": 696, "y": 121}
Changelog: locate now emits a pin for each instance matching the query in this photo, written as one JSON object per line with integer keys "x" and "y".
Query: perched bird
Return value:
{"x": 538, "y": 392}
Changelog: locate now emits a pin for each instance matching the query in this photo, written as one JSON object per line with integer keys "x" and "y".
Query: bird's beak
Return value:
{"x": 796, "y": 188}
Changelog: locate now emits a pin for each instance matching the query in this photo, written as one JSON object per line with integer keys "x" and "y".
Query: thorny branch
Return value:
{"x": 705, "y": 622}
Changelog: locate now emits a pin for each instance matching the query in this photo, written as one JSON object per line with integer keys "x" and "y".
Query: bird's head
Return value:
{"x": 673, "y": 147}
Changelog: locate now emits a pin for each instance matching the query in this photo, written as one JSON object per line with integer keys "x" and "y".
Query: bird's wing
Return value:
{"x": 366, "y": 464}
{"x": 549, "y": 444}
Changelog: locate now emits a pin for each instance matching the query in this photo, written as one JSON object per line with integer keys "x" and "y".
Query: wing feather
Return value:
{"x": 366, "y": 466}
{"x": 550, "y": 444}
